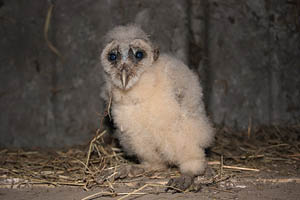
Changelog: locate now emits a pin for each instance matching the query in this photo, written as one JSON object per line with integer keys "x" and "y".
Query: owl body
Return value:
{"x": 161, "y": 116}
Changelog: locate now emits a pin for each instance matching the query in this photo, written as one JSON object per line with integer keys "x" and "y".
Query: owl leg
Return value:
{"x": 191, "y": 163}
{"x": 150, "y": 159}
{"x": 153, "y": 165}
{"x": 192, "y": 160}
{"x": 148, "y": 156}
{"x": 136, "y": 170}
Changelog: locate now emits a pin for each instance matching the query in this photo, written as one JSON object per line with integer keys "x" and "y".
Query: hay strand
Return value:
{"x": 46, "y": 30}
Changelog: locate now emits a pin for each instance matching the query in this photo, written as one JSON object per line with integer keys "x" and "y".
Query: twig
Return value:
{"x": 221, "y": 165}
{"x": 98, "y": 194}
{"x": 137, "y": 190}
{"x": 91, "y": 146}
{"x": 275, "y": 180}
{"x": 241, "y": 168}
{"x": 232, "y": 167}
{"x": 46, "y": 28}
{"x": 144, "y": 186}
{"x": 249, "y": 127}
{"x": 109, "y": 105}
{"x": 295, "y": 155}
{"x": 280, "y": 180}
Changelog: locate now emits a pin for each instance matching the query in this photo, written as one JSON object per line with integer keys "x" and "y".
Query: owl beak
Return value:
{"x": 124, "y": 78}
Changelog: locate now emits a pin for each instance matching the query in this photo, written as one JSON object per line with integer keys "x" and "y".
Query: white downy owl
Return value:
{"x": 156, "y": 103}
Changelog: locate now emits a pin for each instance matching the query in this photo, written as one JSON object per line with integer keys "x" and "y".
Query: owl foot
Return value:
{"x": 125, "y": 171}
{"x": 129, "y": 171}
{"x": 180, "y": 184}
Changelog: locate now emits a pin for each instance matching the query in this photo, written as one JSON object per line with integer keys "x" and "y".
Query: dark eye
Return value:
{"x": 139, "y": 54}
{"x": 112, "y": 56}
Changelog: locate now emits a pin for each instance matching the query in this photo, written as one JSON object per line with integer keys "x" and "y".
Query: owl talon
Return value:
{"x": 179, "y": 184}
{"x": 129, "y": 171}
{"x": 135, "y": 171}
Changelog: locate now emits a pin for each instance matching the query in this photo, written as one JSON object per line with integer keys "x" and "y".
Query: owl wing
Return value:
{"x": 185, "y": 86}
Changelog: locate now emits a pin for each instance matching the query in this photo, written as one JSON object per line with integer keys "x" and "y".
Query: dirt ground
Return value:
{"x": 258, "y": 186}
{"x": 272, "y": 181}
{"x": 260, "y": 164}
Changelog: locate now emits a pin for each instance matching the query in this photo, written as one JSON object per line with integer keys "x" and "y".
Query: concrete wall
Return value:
{"x": 246, "y": 53}
{"x": 254, "y": 62}
{"x": 46, "y": 102}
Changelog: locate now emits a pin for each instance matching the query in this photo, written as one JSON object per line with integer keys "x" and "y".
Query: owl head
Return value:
{"x": 127, "y": 54}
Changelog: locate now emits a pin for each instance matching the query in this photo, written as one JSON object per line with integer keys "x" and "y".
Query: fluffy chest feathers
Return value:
{"x": 148, "y": 107}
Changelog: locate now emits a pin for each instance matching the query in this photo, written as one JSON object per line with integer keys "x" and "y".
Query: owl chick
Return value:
{"x": 156, "y": 103}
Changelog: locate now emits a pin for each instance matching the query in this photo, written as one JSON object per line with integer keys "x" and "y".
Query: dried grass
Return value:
{"x": 102, "y": 165}
{"x": 265, "y": 144}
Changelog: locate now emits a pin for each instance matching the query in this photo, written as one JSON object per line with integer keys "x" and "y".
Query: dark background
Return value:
{"x": 246, "y": 52}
